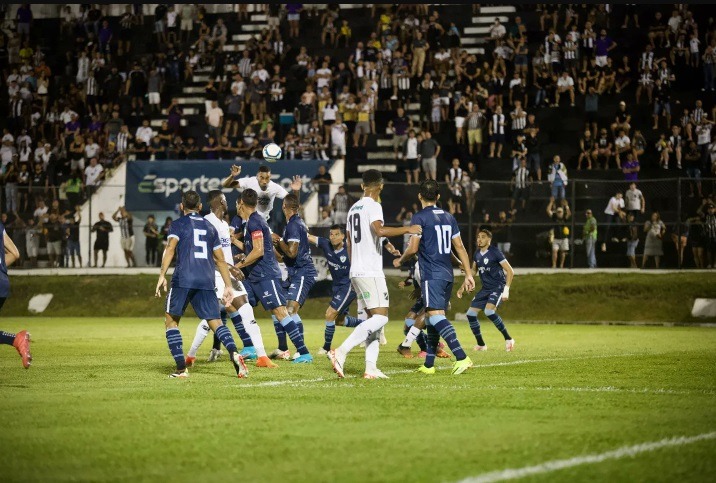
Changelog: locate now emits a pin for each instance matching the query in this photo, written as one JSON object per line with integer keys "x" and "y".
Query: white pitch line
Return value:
{"x": 304, "y": 382}
{"x": 556, "y": 465}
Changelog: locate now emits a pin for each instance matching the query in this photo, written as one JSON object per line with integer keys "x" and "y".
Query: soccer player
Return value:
{"x": 434, "y": 248}
{"x": 343, "y": 294}
{"x": 496, "y": 275}
{"x": 239, "y": 309}
{"x": 364, "y": 233}
{"x": 8, "y": 255}
{"x": 263, "y": 277}
{"x": 266, "y": 190}
{"x": 199, "y": 253}
{"x": 297, "y": 257}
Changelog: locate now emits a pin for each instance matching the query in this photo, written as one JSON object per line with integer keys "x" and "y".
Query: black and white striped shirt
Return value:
{"x": 498, "y": 126}
{"x": 588, "y": 39}
{"x": 92, "y": 88}
{"x": 522, "y": 178}
{"x": 455, "y": 175}
{"x": 647, "y": 60}
{"x": 675, "y": 141}
{"x": 341, "y": 202}
{"x": 276, "y": 91}
{"x": 122, "y": 141}
{"x": 697, "y": 114}
{"x": 570, "y": 50}
{"x": 245, "y": 67}
{"x": 518, "y": 122}
{"x": 125, "y": 227}
{"x": 710, "y": 227}
{"x": 16, "y": 107}
{"x": 475, "y": 121}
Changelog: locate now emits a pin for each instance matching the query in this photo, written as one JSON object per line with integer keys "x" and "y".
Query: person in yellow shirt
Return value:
{"x": 345, "y": 33}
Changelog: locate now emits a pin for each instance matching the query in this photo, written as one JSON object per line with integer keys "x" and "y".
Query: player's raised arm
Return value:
{"x": 230, "y": 181}
{"x": 509, "y": 275}
{"x": 312, "y": 239}
{"x": 167, "y": 258}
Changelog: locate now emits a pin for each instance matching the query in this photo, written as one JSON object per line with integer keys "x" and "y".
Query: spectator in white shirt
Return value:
{"x": 93, "y": 174}
{"x": 214, "y": 120}
{"x": 338, "y": 138}
{"x": 565, "y": 83}
{"x": 497, "y": 30}
{"x": 615, "y": 214}
{"x": 622, "y": 143}
{"x": 144, "y": 133}
{"x": 91, "y": 148}
{"x": 410, "y": 151}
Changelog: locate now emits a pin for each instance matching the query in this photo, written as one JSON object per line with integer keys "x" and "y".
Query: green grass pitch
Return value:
{"x": 97, "y": 405}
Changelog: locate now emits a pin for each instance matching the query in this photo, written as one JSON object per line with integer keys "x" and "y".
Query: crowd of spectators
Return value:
{"x": 73, "y": 120}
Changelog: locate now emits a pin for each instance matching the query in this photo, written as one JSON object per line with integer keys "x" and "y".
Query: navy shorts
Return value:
{"x": 343, "y": 297}
{"x": 436, "y": 293}
{"x": 418, "y": 306}
{"x": 498, "y": 138}
{"x": 269, "y": 292}
{"x": 202, "y": 300}
{"x": 299, "y": 287}
{"x": 485, "y": 297}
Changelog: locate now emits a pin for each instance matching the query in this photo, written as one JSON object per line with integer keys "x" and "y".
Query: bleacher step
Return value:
{"x": 240, "y": 37}
{"x": 489, "y": 19}
{"x": 496, "y": 10}
{"x": 252, "y": 27}
{"x": 475, "y": 31}
{"x": 158, "y": 122}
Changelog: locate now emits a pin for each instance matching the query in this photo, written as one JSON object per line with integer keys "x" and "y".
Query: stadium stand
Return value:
{"x": 141, "y": 86}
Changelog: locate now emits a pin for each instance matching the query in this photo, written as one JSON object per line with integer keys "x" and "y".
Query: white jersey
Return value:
{"x": 266, "y": 198}
{"x": 366, "y": 246}
{"x": 222, "y": 228}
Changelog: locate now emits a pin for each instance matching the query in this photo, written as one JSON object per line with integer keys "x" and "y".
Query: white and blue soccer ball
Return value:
{"x": 272, "y": 152}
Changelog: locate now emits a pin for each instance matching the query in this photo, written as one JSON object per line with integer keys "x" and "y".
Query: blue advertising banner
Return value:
{"x": 158, "y": 185}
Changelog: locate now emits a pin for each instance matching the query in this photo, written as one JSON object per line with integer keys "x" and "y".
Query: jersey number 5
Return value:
{"x": 444, "y": 238}
{"x": 355, "y": 227}
{"x": 202, "y": 251}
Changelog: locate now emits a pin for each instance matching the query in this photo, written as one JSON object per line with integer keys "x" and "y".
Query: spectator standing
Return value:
{"x": 559, "y": 233}
{"x": 710, "y": 233}
{"x": 338, "y": 138}
{"x": 399, "y": 126}
{"x": 52, "y": 229}
{"x": 215, "y": 120}
{"x": 410, "y": 152}
{"x": 429, "y": 152}
{"x": 94, "y": 173}
{"x": 24, "y": 21}
{"x": 655, "y": 230}
{"x": 151, "y": 235}
{"x": 632, "y": 240}
{"x": 634, "y": 200}
{"x": 521, "y": 184}
{"x": 341, "y": 203}
{"x": 589, "y": 235}
{"x": 631, "y": 167}
{"x": 615, "y": 214}
{"x": 72, "y": 232}
{"x": 101, "y": 244}
{"x": 475, "y": 125}
{"x": 126, "y": 229}
{"x": 323, "y": 181}
{"x": 558, "y": 179}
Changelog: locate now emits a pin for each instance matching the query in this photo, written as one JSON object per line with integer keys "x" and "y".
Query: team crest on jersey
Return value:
{"x": 343, "y": 258}
{"x": 485, "y": 260}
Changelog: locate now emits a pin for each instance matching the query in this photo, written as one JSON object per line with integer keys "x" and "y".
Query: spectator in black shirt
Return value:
{"x": 52, "y": 230}
{"x": 72, "y": 232}
{"x": 323, "y": 182}
{"x": 662, "y": 104}
{"x": 151, "y": 234}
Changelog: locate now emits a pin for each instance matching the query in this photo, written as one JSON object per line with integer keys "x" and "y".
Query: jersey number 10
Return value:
{"x": 444, "y": 233}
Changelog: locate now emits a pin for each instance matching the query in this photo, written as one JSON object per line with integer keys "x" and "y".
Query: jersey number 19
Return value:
{"x": 355, "y": 227}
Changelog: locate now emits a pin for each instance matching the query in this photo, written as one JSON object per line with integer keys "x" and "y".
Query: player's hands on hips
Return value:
{"x": 228, "y": 295}
{"x": 297, "y": 183}
{"x": 235, "y": 170}
{"x": 161, "y": 285}
{"x": 415, "y": 230}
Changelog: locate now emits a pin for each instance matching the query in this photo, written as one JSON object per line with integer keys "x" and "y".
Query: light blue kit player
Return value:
{"x": 496, "y": 275}
{"x": 440, "y": 233}
{"x": 263, "y": 276}
{"x": 199, "y": 253}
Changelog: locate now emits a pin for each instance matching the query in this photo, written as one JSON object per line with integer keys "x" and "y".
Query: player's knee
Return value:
{"x": 472, "y": 312}
{"x": 489, "y": 312}
{"x": 331, "y": 313}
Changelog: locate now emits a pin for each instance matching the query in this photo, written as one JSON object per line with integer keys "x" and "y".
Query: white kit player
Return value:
{"x": 267, "y": 190}
{"x": 364, "y": 234}
{"x": 239, "y": 305}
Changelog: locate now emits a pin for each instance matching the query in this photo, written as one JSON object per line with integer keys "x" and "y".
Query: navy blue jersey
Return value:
{"x": 237, "y": 223}
{"x": 195, "y": 252}
{"x": 338, "y": 262}
{"x": 4, "y": 279}
{"x": 491, "y": 273}
{"x": 266, "y": 267}
{"x": 296, "y": 231}
{"x": 435, "y": 250}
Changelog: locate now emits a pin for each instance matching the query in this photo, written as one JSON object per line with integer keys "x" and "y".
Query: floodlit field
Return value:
{"x": 97, "y": 406}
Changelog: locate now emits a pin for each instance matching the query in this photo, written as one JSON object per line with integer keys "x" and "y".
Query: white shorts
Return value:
{"x": 560, "y": 244}
{"x": 154, "y": 97}
{"x": 238, "y": 287}
{"x": 459, "y": 121}
{"x": 338, "y": 149}
{"x": 601, "y": 60}
{"x": 128, "y": 244}
{"x": 187, "y": 24}
{"x": 373, "y": 292}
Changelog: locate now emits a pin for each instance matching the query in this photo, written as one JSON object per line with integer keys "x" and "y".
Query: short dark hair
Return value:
{"x": 249, "y": 198}
{"x": 213, "y": 195}
{"x": 429, "y": 190}
{"x": 340, "y": 228}
{"x": 372, "y": 177}
{"x": 486, "y": 232}
{"x": 191, "y": 200}
{"x": 291, "y": 202}
{"x": 264, "y": 169}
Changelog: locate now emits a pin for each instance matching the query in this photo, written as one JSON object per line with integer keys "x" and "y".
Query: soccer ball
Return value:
{"x": 272, "y": 152}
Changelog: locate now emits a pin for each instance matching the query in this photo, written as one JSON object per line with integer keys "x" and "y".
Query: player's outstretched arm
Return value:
{"x": 387, "y": 231}
{"x": 410, "y": 252}
{"x": 469, "y": 282}
{"x": 167, "y": 258}
{"x": 230, "y": 181}
{"x": 509, "y": 275}
{"x": 11, "y": 251}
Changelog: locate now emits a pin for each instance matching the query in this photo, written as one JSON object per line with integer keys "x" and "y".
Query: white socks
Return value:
{"x": 252, "y": 328}
{"x": 410, "y": 337}
{"x": 202, "y": 330}
{"x": 371, "y": 351}
{"x": 360, "y": 333}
